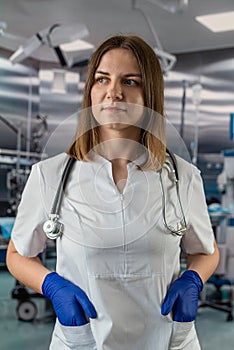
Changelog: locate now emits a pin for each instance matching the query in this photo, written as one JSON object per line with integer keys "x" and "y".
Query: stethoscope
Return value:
{"x": 53, "y": 228}
{"x": 171, "y": 167}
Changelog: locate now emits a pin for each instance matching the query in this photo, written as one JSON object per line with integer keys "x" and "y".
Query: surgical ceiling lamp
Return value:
{"x": 53, "y": 37}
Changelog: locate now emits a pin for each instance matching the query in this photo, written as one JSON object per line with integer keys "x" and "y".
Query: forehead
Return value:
{"x": 119, "y": 58}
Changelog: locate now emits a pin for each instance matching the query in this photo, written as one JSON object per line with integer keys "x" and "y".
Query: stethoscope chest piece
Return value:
{"x": 52, "y": 227}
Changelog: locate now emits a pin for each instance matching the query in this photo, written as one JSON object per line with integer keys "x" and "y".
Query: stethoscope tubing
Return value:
{"x": 54, "y": 214}
{"x": 62, "y": 185}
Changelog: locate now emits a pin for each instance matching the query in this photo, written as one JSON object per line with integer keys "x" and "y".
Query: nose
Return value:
{"x": 115, "y": 92}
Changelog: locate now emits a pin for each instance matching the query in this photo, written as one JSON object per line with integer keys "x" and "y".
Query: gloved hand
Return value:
{"x": 182, "y": 297}
{"x": 69, "y": 301}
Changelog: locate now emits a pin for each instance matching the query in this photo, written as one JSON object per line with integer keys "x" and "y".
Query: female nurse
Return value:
{"x": 117, "y": 283}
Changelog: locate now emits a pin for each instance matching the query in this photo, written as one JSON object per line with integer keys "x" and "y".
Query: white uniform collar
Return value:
{"x": 139, "y": 161}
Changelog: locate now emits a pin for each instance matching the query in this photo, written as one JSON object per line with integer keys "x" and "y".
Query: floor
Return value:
{"x": 214, "y": 331}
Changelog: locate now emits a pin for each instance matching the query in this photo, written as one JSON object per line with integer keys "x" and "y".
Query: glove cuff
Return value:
{"x": 193, "y": 276}
{"x": 48, "y": 284}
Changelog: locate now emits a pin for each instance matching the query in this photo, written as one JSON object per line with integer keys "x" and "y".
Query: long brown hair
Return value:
{"x": 153, "y": 130}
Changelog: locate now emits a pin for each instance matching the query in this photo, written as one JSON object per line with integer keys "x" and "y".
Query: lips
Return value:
{"x": 114, "y": 109}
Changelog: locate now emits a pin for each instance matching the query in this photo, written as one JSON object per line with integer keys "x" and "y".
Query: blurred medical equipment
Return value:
{"x": 6, "y": 224}
{"x": 28, "y": 310}
{"x": 53, "y": 228}
{"x": 16, "y": 165}
{"x": 225, "y": 231}
{"x": 17, "y": 162}
{"x": 221, "y": 294}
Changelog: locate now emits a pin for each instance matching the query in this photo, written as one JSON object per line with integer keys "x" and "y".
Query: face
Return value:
{"x": 117, "y": 94}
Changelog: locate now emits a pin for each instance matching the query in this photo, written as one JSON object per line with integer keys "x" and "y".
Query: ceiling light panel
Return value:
{"x": 219, "y": 22}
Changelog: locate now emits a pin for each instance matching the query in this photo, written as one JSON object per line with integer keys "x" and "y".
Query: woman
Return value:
{"x": 117, "y": 283}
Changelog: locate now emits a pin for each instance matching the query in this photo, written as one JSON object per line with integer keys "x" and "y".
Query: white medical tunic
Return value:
{"x": 116, "y": 248}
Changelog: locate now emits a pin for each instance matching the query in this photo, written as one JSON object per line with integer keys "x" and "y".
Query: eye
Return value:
{"x": 131, "y": 82}
{"x": 101, "y": 80}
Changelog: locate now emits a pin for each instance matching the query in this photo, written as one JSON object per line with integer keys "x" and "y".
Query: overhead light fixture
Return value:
{"x": 76, "y": 45}
{"x": 53, "y": 37}
{"x": 76, "y": 52}
{"x": 24, "y": 51}
{"x": 172, "y": 6}
{"x": 218, "y": 22}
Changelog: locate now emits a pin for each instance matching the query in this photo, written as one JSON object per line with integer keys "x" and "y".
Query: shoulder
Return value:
{"x": 54, "y": 163}
{"x": 186, "y": 165}
{"x": 49, "y": 171}
{"x": 186, "y": 170}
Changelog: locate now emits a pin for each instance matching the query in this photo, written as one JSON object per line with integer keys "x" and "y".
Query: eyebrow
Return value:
{"x": 125, "y": 75}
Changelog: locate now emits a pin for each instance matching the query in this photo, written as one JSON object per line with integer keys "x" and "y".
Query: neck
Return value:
{"x": 131, "y": 133}
{"x": 115, "y": 146}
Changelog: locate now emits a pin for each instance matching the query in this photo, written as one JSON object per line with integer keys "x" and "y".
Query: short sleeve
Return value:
{"x": 27, "y": 234}
{"x": 199, "y": 238}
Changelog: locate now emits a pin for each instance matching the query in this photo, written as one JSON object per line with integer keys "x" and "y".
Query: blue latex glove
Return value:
{"x": 70, "y": 303}
{"x": 182, "y": 297}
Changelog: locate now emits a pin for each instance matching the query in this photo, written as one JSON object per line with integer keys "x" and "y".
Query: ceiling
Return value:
{"x": 177, "y": 32}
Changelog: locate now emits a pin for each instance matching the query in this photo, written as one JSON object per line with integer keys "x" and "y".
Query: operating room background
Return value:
{"x": 38, "y": 94}
{"x": 28, "y": 99}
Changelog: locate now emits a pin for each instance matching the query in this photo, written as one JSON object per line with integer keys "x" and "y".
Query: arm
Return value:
{"x": 28, "y": 271}
{"x": 183, "y": 294}
{"x": 202, "y": 252}
{"x": 70, "y": 302}
{"x": 204, "y": 264}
